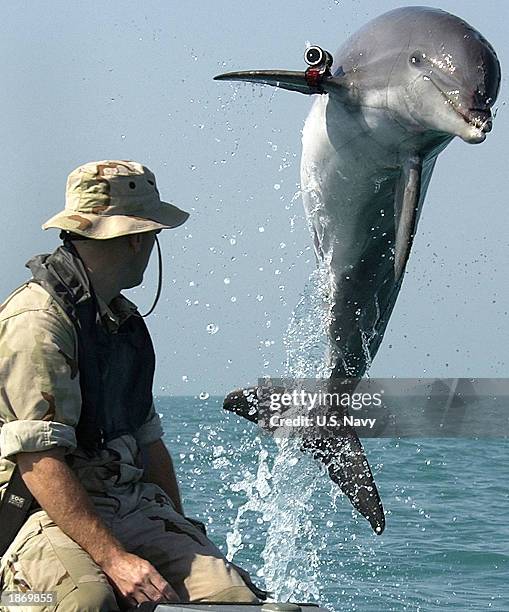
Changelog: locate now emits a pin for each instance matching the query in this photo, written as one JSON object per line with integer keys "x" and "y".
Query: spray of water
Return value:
{"x": 282, "y": 494}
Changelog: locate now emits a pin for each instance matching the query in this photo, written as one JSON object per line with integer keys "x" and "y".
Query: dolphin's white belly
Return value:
{"x": 349, "y": 180}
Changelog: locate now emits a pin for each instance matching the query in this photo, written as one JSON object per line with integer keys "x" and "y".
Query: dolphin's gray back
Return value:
{"x": 409, "y": 27}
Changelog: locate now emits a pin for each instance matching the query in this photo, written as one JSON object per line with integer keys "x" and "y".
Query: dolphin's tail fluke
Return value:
{"x": 348, "y": 467}
{"x": 342, "y": 455}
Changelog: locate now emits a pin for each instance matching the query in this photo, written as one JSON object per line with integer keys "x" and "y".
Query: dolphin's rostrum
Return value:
{"x": 399, "y": 90}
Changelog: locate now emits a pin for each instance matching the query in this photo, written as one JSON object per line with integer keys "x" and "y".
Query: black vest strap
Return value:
{"x": 116, "y": 369}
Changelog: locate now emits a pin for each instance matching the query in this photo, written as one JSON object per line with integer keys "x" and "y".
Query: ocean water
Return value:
{"x": 275, "y": 512}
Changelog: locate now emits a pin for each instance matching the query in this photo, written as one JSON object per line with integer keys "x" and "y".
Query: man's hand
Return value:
{"x": 136, "y": 580}
{"x": 55, "y": 486}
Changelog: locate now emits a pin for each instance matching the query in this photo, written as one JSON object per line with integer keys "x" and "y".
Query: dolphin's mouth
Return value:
{"x": 478, "y": 118}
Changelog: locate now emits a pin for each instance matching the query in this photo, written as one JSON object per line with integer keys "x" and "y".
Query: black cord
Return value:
{"x": 160, "y": 281}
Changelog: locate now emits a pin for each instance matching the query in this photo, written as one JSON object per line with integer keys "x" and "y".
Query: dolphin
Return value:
{"x": 394, "y": 96}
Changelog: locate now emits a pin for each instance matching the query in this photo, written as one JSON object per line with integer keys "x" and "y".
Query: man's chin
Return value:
{"x": 133, "y": 284}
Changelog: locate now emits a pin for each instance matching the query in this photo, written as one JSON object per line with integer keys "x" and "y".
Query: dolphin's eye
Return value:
{"x": 416, "y": 58}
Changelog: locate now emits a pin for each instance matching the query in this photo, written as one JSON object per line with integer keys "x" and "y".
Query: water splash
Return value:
{"x": 367, "y": 336}
{"x": 291, "y": 553}
{"x": 291, "y": 561}
{"x": 255, "y": 489}
{"x": 307, "y": 337}
{"x": 283, "y": 494}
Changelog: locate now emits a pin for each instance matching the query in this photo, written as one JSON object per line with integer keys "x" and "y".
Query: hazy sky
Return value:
{"x": 133, "y": 80}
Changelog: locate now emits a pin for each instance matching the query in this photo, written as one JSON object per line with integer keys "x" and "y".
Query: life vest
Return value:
{"x": 116, "y": 370}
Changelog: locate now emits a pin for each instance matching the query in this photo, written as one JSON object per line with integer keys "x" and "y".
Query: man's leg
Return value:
{"x": 43, "y": 558}
{"x": 180, "y": 552}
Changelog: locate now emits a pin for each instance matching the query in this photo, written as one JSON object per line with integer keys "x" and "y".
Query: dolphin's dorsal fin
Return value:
{"x": 405, "y": 210}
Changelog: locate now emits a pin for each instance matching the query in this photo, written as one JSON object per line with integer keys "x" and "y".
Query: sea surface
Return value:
{"x": 275, "y": 512}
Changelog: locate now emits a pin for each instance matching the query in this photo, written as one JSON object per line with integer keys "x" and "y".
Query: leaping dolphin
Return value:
{"x": 398, "y": 91}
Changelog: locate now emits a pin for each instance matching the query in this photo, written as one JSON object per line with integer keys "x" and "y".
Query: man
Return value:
{"x": 106, "y": 528}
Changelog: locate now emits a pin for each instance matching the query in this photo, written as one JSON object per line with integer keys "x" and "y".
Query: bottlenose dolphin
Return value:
{"x": 398, "y": 91}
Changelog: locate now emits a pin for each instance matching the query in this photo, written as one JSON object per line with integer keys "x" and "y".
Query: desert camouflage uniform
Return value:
{"x": 40, "y": 403}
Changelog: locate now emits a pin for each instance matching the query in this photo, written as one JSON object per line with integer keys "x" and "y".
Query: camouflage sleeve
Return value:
{"x": 151, "y": 430}
{"x": 40, "y": 398}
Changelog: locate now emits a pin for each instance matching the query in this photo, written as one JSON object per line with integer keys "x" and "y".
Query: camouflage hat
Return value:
{"x": 112, "y": 198}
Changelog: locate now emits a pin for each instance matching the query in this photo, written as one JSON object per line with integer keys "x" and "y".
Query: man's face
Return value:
{"x": 141, "y": 246}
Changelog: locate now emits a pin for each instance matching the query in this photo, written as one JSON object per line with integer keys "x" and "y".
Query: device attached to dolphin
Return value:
{"x": 319, "y": 62}
{"x": 309, "y": 82}
{"x": 396, "y": 94}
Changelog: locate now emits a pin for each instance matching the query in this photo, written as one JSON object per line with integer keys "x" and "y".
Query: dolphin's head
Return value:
{"x": 445, "y": 76}
{"x": 429, "y": 69}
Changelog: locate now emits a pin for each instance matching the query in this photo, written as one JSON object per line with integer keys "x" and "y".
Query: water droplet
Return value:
{"x": 277, "y": 186}
{"x": 185, "y": 378}
{"x": 233, "y": 298}
{"x": 212, "y": 328}
{"x": 261, "y": 229}
{"x": 226, "y": 281}
{"x": 259, "y": 297}
{"x": 204, "y": 395}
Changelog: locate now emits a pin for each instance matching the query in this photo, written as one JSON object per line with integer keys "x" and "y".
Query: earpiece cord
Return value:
{"x": 160, "y": 281}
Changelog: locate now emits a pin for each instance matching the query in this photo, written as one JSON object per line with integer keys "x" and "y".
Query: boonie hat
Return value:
{"x": 111, "y": 198}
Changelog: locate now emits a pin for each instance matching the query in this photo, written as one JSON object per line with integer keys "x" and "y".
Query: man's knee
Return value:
{"x": 213, "y": 579}
{"x": 89, "y": 597}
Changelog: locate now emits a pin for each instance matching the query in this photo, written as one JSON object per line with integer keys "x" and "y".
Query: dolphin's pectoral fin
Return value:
{"x": 405, "y": 210}
{"x": 348, "y": 467}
